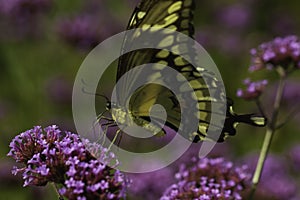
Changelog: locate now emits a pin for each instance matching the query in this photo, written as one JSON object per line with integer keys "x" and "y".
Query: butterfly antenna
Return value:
{"x": 261, "y": 110}
{"x": 99, "y": 95}
{"x": 86, "y": 92}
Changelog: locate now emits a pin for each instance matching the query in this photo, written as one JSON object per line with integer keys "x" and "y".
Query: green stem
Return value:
{"x": 269, "y": 135}
{"x": 60, "y": 197}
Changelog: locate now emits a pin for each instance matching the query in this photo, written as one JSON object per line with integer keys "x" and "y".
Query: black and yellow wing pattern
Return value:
{"x": 174, "y": 15}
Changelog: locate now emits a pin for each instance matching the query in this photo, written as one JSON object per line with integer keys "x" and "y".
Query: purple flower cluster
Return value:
{"x": 253, "y": 90}
{"x": 209, "y": 179}
{"x": 92, "y": 179}
{"x": 51, "y": 155}
{"x": 284, "y": 52}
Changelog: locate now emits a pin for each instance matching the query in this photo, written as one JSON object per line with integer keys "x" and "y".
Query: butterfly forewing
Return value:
{"x": 168, "y": 14}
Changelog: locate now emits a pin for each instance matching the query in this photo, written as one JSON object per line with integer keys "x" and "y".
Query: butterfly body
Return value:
{"x": 126, "y": 118}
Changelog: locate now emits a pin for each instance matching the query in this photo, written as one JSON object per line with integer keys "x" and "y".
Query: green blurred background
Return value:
{"x": 42, "y": 45}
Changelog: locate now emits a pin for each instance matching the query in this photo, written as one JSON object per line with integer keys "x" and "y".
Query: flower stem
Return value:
{"x": 60, "y": 197}
{"x": 269, "y": 135}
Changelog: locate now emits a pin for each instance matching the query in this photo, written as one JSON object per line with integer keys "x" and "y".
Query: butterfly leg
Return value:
{"x": 115, "y": 138}
{"x": 109, "y": 122}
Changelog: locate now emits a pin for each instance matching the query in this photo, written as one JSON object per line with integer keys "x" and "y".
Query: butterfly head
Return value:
{"x": 108, "y": 105}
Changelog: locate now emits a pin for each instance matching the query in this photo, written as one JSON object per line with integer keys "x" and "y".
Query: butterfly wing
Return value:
{"x": 174, "y": 15}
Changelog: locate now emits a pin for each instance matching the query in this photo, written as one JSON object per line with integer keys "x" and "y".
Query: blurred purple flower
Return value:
{"x": 8, "y": 181}
{"x": 5, "y": 175}
{"x": 230, "y": 43}
{"x": 294, "y": 154}
{"x": 51, "y": 155}
{"x": 80, "y": 31}
{"x": 283, "y": 24}
{"x": 88, "y": 29}
{"x": 24, "y": 8}
{"x": 235, "y": 16}
{"x": 59, "y": 90}
{"x": 226, "y": 42}
{"x": 284, "y": 52}
{"x": 150, "y": 185}
{"x": 23, "y": 15}
{"x": 253, "y": 90}
{"x": 205, "y": 37}
{"x": 275, "y": 181}
{"x": 219, "y": 150}
{"x": 209, "y": 179}
{"x": 291, "y": 93}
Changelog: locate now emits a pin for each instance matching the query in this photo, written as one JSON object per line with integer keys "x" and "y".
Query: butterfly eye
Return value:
{"x": 108, "y": 105}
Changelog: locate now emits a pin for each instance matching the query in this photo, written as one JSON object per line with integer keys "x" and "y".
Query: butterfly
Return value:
{"x": 173, "y": 15}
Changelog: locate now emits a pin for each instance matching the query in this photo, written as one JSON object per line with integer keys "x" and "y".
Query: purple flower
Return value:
{"x": 283, "y": 24}
{"x": 284, "y": 52}
{"x": 25, "y": 146}
{"x": 92, "y": 179}
{"x": 150, "y": 185}
{"x": 235, "y": 16}
{"x": 81, "y": 31}
{"x": 89, "y": 28}
{"x": 51, "y": 155}
{"x": 209, "y": 179}
{"x": 59, "y": 90}
{"x": 290, "y": 99}
{"x": 230, "y": 43}
{"x": 294, "y": 154}
{"x": 275, "y": 183}
{"x": 22, "y": 17}
{"x": 253, "y": 90}
{"x": 23, "y": 8}
{"x": 291, "y": 93}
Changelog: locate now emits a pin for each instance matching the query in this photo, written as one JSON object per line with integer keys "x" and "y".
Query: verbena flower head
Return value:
{"x": 284, "y": 52}
{"x": 209, "y": 179}
{"x": 51, "y": 155}
{"x": 92, "y": 180}
{"x": 254, "y": 89}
